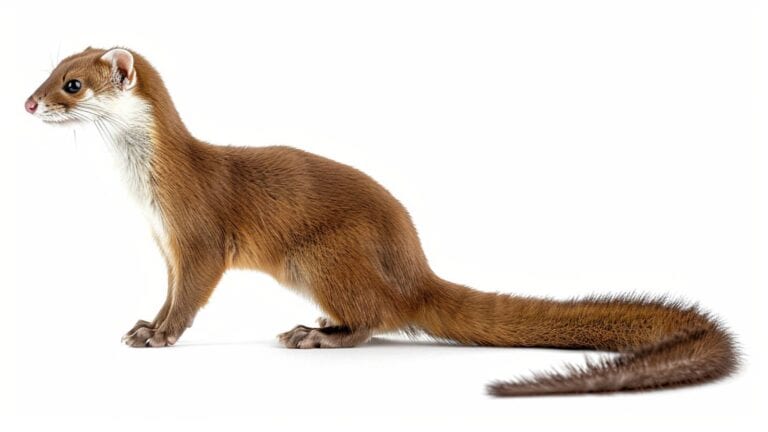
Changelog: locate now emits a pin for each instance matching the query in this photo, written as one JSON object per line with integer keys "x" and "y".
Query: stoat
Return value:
{"x": 333, "y": 233}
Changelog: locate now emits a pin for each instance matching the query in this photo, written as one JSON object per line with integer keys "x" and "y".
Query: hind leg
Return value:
{"x": 352, "y": 290}
{"x": 324, "y": 337}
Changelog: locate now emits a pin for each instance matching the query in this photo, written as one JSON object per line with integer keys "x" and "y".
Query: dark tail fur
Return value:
{"x": 661, "y": 344}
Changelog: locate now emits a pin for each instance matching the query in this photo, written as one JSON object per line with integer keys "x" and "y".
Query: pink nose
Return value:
{"x": 30, "y": 105}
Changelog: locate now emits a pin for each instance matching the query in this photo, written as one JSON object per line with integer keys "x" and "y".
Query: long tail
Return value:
{"x": 661, "y": 344}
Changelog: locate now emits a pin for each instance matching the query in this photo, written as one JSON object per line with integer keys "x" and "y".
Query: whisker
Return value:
{"x": 80, "y": 116}
{"x": 98, "y": 111}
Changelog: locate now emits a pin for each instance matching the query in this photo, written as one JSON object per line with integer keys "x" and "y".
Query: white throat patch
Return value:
{"x": 125, "y": 123}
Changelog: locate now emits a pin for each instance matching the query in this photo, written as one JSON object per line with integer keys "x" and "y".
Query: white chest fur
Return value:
{"x": 127, "y": 126}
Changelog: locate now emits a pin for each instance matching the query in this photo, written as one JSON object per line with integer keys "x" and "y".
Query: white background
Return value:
{"x": 552, "y": 148}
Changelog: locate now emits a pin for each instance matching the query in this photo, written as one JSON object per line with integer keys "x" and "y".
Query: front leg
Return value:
{"x": 193, "y": 280}
{"x": 146, "y": 326}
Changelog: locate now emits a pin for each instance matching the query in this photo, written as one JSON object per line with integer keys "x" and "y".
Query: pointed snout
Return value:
{"x": 30, "y": 105}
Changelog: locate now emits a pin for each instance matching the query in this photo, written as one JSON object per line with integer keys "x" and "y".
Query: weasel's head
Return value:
{"x": 85, "y": 87}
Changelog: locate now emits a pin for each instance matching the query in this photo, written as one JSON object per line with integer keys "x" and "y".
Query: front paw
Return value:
{"x": 139, "y": 324}
{"x": 145, "y": 336}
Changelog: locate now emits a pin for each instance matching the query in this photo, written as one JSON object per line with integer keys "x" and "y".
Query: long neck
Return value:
{"x": 179, "y": 180}
{"x": 142, "y": 143}
{"x": 145, "y": 130}
{"x": 128, "y": 130}
{"x": 168, "y": 128}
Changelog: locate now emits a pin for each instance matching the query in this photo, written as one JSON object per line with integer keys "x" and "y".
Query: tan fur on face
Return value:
{"x": 85, "y": 67}
{"x": 333, "y": 233}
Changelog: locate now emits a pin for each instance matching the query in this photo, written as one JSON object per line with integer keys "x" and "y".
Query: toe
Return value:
{"x": 139, "y": 337}
{"x": 161, "y": 339}
{"x": 291, "y": 339}
{"x": 139, "y": 324}
{"x": 311, "y": 340}
{"x": 157, "y": 341}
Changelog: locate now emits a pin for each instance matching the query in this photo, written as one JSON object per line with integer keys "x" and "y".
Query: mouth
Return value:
{"x": 59, "y": 115}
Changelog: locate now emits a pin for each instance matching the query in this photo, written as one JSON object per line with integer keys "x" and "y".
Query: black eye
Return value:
{"x": 72, "y": 86}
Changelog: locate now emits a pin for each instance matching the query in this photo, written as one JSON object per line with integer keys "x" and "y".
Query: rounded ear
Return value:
{"x": 123, "y": 73}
